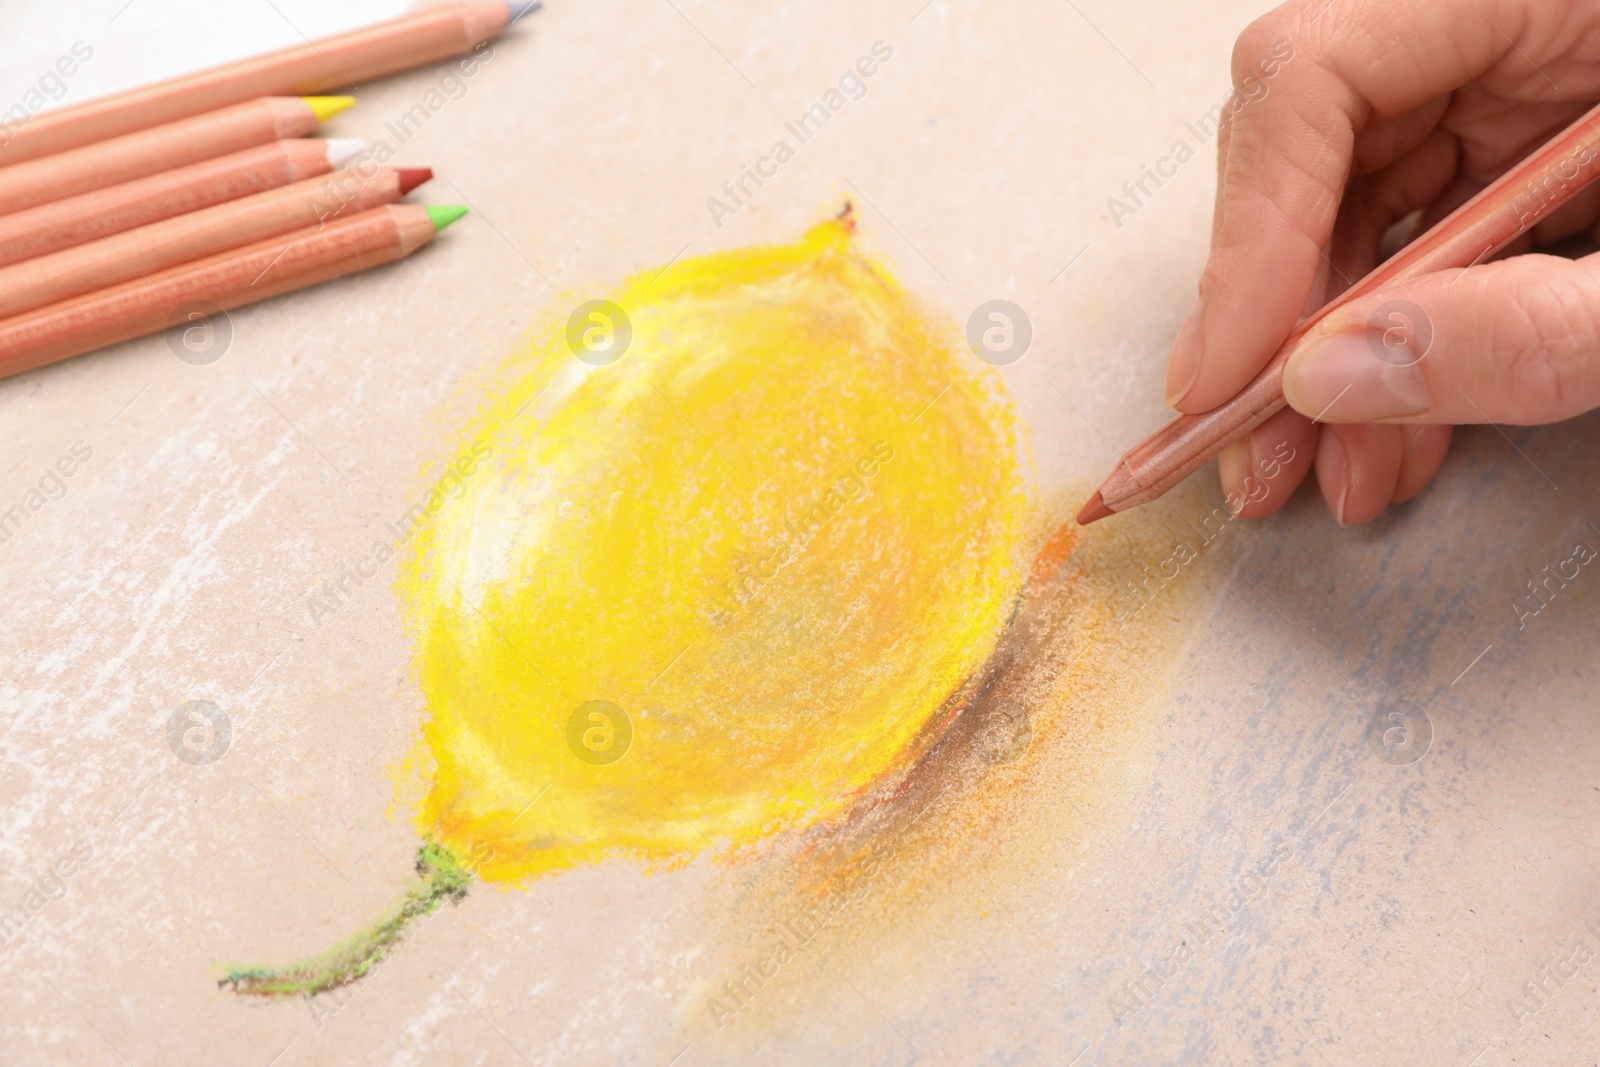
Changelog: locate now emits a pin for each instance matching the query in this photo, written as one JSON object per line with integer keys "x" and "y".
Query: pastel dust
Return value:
{"x": 1041, "y": 759}
{"x": 768, "y": 542}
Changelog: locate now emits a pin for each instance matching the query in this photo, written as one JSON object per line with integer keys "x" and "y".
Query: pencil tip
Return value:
{"x": 1094, "y": 510}
{"x": 325, "y": 107}
{"x": 342, "y": 150}
{"x": 444, "y": 214}
{"x": 520, "y": 8}
{"x": 411, "y": 177}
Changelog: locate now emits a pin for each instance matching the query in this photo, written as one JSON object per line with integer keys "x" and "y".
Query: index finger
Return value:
{"x": 1287, "y": 146}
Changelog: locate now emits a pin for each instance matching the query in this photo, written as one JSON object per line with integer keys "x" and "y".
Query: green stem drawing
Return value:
{"x": 444, "y": 877}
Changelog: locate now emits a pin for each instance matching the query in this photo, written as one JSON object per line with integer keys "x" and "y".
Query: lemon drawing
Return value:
{"x": 727, "y": 543}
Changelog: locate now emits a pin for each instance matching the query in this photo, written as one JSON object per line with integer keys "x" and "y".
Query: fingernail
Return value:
{"x": 1183, "y": 366}
{"x": 1331, "y": 462}
{"x": 1233, "y": 466}
{"x": 1340, "y": 378}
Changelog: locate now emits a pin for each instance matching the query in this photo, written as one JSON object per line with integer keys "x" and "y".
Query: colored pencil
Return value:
{"x": 1501, "y": 212}
{"x": 62, "y": 224}
{"x": 161, "y": 148}
{"x": 226, "y": 280}
{"x": 138, "y": 253}
{"x": 334, "y": 64}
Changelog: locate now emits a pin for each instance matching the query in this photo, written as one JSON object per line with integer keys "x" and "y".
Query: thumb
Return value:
{"x": 1515, "y": 341}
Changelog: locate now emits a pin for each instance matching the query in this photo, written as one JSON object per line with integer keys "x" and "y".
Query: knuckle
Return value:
{"x": 1256, "y": 42}
{"x": 1312, "y": 185}
{"x": 1547, "y": 343}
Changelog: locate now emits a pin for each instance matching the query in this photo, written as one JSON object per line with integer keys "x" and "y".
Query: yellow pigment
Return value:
{"x": 777, "y": 534}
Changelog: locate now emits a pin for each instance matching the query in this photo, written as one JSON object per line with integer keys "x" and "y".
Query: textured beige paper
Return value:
{"x": 1386, "y": 913}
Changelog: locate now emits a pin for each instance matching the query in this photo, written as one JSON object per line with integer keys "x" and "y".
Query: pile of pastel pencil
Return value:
{"x": 146, "y": 211}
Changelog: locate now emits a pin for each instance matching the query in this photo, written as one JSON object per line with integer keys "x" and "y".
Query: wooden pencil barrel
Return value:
{"x": 63, "y": 224}
{"x": 152, "y": 151}
{"x": 108, "y": 262}
{"x": 1516, "y": 201}
{"x": 226, "y": 281}
{"x": 337, "y": 63}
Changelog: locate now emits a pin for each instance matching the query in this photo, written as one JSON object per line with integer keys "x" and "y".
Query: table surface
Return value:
{"x": 1331, "y": 809}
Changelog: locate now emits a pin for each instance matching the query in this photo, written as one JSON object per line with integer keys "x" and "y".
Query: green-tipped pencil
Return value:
{"x": 185, "y": 297}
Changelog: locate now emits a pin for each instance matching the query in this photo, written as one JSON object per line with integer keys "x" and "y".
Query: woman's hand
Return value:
{"x": 1385, "y": 109}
